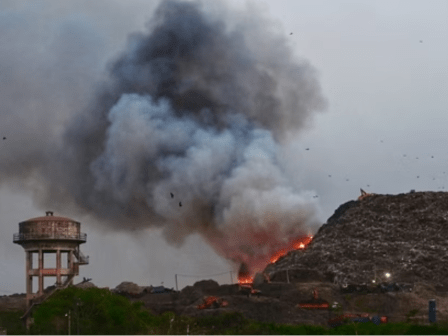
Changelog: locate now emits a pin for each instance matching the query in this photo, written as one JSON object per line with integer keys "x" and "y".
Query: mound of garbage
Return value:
{"x": 380, "y": 238}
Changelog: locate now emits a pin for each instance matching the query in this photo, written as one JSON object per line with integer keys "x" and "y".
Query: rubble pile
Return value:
{"x": 403, "y": 237}
{"x": 130, "y": 289}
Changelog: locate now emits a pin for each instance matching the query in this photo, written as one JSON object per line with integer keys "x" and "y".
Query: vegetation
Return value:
{"x": 411, "y": 314}
{"x": 90, "y": 311}
{"x": 97, "y": 311}
{"x": 10, "y": 320}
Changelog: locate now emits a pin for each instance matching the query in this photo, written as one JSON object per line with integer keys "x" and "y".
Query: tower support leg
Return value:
{"x": 41, "y": 275}
{"x": 29, "y": 278}
{"x": 70, "y": 263}
{"x": 58, "y": 268}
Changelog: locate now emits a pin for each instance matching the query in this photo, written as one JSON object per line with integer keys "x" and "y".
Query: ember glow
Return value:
{"x": 208, "y": 301}
{"x": 245, "y": 273}
{"x": 244, "y": 277}
{"x": 298, "y": 244}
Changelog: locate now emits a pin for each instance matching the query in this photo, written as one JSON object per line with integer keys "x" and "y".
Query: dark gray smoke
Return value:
{"x": 197, "y": 106}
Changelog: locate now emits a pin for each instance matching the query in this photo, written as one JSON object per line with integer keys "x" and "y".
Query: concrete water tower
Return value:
{"x": 46, "y": 235}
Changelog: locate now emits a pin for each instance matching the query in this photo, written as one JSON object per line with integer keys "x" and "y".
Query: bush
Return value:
{"x": 10, "y": 320}
{"x": 91, "y": 311}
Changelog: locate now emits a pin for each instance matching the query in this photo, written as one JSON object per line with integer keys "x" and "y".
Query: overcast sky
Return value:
{"x": 383, "y": 69}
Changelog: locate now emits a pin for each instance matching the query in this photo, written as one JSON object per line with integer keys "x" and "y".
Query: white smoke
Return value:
{"x": 199, "y": 106}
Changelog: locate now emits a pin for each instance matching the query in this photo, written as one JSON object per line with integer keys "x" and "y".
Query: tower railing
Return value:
{"x": 19, "y": 237}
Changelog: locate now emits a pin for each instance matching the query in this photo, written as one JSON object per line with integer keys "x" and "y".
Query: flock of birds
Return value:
{"x": 172, "y": 196}
{"x": 404, "y": 155}
{"x": 315, "y": 196}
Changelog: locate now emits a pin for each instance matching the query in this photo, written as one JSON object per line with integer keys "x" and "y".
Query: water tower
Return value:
{"x": 50, "y": 234}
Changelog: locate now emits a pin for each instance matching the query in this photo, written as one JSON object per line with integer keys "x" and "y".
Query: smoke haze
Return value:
{"x": 199, "y": 105}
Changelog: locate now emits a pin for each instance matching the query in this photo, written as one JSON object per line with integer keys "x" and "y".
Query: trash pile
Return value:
{"x": 382, "y": 238}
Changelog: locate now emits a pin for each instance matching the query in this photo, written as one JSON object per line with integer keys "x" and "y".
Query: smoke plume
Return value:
{"x": 184, "y": 134}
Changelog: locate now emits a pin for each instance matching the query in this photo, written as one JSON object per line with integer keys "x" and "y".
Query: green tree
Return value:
{"x": 91, "y": 311}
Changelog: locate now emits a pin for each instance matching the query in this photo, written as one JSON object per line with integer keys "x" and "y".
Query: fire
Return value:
{"x": 244, "y": 274}
{"x": 245, "y": 280}
{"x": 298, "y": 244}
{"x": 244, "y": 277}
{"x": 211, "y": 300}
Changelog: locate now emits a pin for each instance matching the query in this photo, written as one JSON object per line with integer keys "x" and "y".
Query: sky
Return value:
{"x": 382, "y": 70}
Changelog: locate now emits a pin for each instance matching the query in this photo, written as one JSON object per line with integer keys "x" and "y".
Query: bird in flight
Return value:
{"x": 172, "y": 195}
{"x": 4, "y": 138}
{"x": 180, "y": 204}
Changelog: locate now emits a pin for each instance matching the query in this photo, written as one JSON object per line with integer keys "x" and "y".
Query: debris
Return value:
{"x": 212, "y": 302}
{"x": 364, "y": 195}
{"x": 4, "y": 138}
{"x": 363, "y": 318}
{"x": 180, "y": 204}
{"x": 161, "y": 290}
{"x": 128, "y": 288}
{"x": 314, "y": 303}
{"x": 307, "y": 149}
{"x": 290, "y": 33}
{"x": 172, "y": 195}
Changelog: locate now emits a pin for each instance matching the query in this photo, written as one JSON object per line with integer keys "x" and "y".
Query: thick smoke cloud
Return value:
{"x": 197, "y": 106}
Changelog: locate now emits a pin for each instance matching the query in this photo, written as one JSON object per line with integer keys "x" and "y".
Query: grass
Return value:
{"x": 236, "y": 324}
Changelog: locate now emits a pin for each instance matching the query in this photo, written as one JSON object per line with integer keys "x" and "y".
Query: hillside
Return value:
{"x": 404, "y": 235}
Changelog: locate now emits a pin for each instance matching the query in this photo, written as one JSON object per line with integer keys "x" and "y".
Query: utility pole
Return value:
{"x": 69, "y": 318}
{"x": 231, "y": 277}
{"x": 77, "y": 315}
{"x": 177, "y": 289}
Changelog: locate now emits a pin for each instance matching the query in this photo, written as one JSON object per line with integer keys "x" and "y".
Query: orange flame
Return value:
{"x": 210, "y": 300}
{"x": 244, "y": 275}
{"x": 245, "y": 280}
{"x": 298, "y": 244}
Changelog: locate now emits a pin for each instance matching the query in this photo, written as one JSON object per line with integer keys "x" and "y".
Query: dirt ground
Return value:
{"x": 278, "y": 302}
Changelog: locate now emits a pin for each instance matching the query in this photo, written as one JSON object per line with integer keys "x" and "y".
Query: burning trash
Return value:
{"x": 297, "y": 244}
{"x": 213, "y": 302}
{"x": 246, "y": 282}
{"x": 244, "y": 277}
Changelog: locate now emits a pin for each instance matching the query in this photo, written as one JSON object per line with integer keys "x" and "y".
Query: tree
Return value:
{"x": 92, "y": 311}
